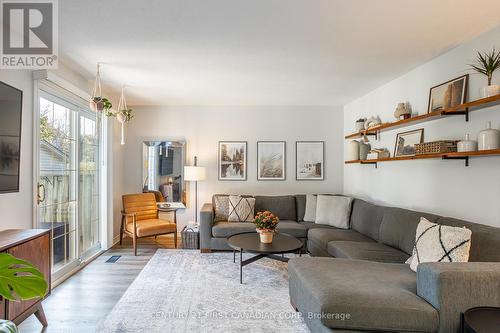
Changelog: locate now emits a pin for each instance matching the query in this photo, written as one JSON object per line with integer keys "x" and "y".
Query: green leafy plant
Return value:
{"x": 487, "y": 63}
{"x": 20, "y": 280}
{"x": 101, "y": 104}
{"x": 266, "y": 221}
{"x": 128, "y": 115}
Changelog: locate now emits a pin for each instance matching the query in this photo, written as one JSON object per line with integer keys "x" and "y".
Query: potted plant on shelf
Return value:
{"x": 19, "y": 281}
{"x": 266, "y": 223}
{"x": 486, "y": 64}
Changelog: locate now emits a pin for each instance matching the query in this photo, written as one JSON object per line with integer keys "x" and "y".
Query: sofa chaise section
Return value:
{"x": 375, "y": 296}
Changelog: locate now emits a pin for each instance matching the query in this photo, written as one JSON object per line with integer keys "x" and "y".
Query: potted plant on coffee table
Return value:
{"x": 19, "y": 281}
{"x": 266, "y": 223}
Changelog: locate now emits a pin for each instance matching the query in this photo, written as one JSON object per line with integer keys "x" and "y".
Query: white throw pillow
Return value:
{"x": 333, "y": 210}
{"x": 440, "y": 243}
{"x": 310, "y": 213}
{"x": 241, "y": 209}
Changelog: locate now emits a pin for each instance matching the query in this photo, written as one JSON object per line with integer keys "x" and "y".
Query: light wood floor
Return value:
{"x": 81, "y": 302}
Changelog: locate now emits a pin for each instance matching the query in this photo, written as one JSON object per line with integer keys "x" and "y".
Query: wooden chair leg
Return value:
{"x": 134, "y": 239}
{"x": 121, "y": 231}
{"x": 175, "y": 239}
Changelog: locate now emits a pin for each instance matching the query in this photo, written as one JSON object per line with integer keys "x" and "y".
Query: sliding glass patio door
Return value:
{"x": 68, "y": 180}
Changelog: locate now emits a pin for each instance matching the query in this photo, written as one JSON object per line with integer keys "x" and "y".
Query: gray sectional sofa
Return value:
{"x": 356, "y": 279}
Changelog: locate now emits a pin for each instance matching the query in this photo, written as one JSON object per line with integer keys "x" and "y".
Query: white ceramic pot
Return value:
{"x": 466, "y": 145}
{"x": 353, "y": 150}
{"x": 364, "y": 149}
{"x": 489, "y": 91}
{"x": 360, "y": 125}
{"x": 489, "y": 138}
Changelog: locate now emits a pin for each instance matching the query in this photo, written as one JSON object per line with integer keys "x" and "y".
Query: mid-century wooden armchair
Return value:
{"x": 140, "y": 219}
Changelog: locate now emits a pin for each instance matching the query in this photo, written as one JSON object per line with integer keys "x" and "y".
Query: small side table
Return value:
{"x": 483, "y": 319}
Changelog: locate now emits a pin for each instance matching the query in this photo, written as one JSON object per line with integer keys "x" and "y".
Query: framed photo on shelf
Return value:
{"x": 310, "y": 160}
{"x": 406, "y": 141}
{"x": 232, "y": 160}
{"x": 271, "y": 160}
{"x": 448, "y": 94}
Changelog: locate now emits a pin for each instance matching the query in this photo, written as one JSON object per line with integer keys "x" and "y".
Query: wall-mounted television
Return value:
{"x": 11, "y": 105}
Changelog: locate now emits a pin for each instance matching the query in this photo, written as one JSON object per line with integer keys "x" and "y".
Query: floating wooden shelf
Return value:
{"x": 462, "y": 109}
{"x": 446, "y": 156}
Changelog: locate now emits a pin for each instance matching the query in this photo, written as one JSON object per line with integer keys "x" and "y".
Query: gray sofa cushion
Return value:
{"x": 366, "y": 251}
{"x": 226, "y": 229}
{"x": 377, "y": 296}
{"x": 366, "y": 218}
{"x": 300, "y": 203}
{"x": 399, "y": 226}
{"x": 312, "y": 225}
{"x": 322, "y": 236}
{"x": 281, "y": 206}
{"x": 485, "y": 241}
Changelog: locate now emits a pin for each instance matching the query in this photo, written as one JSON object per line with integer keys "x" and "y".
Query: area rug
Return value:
{"x": 185, "y": 291}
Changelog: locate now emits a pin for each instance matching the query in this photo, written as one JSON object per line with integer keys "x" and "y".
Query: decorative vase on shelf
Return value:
{"x": 360, "y": 124}
{"x": 489, "y": 91}
{"x": 466, "y": 145}
{"x": 489, "y": 138}
{"x": 353, "y": 154}
{"x": 364, "y": 149}
{"x": 266, "y": 236}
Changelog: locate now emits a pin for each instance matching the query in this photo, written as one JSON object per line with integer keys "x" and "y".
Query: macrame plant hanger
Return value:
{"x": 120, "y": 115}
{"x": 96, "y": 102}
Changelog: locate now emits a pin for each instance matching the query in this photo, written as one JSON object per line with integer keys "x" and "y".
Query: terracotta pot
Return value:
{"x": 266, "y": 237}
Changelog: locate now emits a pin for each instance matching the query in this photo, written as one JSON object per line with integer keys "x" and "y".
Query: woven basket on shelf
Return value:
{"x": 436, "y": 147}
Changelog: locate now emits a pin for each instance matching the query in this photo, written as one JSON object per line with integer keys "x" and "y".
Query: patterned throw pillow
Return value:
{"x": 221, "y": 203}
{"x": 440, "y": 243}
{"x": 241, "y": 209}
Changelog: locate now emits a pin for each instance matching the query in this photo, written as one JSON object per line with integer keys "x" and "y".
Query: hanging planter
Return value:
{"x": 123, "y": 115}
{"x": 97, "y": 102}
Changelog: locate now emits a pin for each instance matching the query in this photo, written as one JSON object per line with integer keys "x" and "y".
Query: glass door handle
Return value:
{"x": 41, "y": 193}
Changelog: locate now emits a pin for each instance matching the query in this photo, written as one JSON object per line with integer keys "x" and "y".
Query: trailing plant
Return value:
{"x": 487, "y": 63}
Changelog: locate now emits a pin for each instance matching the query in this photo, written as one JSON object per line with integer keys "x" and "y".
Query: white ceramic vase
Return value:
{"x": 364, "y": 149}
{"x": 466, "y": 145}
{"x": 489, "y": 91}
{"x": 353, "y": 154}
{"x": 489, "y": 138}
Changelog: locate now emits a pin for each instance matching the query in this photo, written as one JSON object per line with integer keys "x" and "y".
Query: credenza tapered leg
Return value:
{"x": 40, "y": 315}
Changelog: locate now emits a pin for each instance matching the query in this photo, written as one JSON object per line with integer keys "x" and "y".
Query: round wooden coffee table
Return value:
{"x": 250, "y": 242}
{"x": 482, "y": 319}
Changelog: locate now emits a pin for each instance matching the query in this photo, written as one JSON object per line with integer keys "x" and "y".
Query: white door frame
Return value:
{"x": 56, "y": 86}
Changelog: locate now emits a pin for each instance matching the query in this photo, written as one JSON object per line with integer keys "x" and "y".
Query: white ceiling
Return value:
{"x": 261, "y": 52}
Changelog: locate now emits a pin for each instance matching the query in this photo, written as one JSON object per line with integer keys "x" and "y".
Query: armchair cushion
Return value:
{"x": 143, "y": 204}
{"x": 151, "y": 227}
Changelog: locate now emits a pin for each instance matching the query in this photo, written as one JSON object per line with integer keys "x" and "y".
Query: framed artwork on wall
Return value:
{"x": 310, "y": 160}
{"x": 406, "y": 141}
{"x": 271, "y": 160}
{"x": 232, "y": 159}
{"x": 448, "y": 94}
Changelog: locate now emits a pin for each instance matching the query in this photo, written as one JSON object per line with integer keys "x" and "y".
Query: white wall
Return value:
{"x": 16, "y": 208}
{"x": 203, "y": 127}
{"x": 442, "y": 187}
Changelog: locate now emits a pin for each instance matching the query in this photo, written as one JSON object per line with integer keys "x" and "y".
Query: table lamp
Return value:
{"x": 194, "y": 174}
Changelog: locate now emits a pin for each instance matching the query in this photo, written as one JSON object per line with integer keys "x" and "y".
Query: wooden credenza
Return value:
{"x": 32, "y": 245}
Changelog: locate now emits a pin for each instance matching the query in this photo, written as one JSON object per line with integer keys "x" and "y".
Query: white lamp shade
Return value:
{"x": 194, "y": 173}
